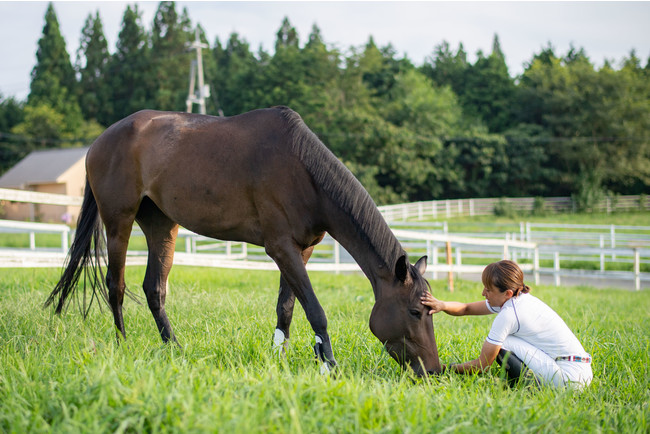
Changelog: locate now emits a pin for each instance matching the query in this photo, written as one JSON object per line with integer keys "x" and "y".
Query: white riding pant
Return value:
{"x": 556, "y": 373}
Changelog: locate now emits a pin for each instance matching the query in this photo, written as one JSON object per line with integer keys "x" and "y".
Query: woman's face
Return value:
{"x": 495, "y": 297}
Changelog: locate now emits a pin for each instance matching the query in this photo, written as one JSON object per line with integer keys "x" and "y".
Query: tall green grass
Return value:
{"x": 64, "y": 374}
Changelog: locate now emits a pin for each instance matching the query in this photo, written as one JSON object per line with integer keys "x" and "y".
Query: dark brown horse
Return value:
{"x": 262, "y": 177}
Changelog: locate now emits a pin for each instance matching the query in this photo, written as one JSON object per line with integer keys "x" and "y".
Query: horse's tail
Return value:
{"x": 85, "y": 256}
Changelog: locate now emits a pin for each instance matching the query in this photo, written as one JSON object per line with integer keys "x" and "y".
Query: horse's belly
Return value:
{"x": 218, "y": 218}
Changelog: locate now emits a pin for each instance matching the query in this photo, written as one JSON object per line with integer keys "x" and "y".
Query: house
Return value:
{"x": 60, "y": 171}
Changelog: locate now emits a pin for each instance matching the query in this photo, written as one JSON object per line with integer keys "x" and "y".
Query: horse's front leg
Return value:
{"x": 284, "y": 309}
{"x": 291, "y": 262}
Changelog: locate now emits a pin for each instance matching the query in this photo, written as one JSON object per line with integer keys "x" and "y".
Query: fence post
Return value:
{"x": 471, "y": 207}
{"x": 434, "y": 258}
{"x": 536, "y": 265}
{"x": 337, "y": 255}
{"x": 612, "y": 236}
{"x": 450, "y": 275}
{"x": 602, "y": 254}
{"x": 64, "y": 240}
{"x": 637, "y": 270}
{"x": 556, "y": 268}
{"x": 505, "y": 247}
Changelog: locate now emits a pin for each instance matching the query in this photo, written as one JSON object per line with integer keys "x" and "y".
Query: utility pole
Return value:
{"x": 196, "y": 74}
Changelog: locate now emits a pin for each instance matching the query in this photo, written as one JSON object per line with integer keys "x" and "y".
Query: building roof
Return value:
{"x": 42, "y": 167}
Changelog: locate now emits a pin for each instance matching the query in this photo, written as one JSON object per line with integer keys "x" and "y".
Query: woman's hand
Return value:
{"x": 433, "y": 303}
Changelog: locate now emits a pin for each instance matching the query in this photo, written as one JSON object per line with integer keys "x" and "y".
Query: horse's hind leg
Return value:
{"x": 118, "y": 232}
{"x": 161, "y": 233}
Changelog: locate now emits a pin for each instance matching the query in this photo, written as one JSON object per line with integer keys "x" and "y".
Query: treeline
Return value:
{"x": 447, "y": 128}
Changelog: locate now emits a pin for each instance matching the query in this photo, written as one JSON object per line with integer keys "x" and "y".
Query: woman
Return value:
{"x": 524, "y": 330}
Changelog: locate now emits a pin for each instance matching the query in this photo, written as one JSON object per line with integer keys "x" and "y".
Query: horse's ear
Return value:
{"x": 421, "y": 265}
{"x": 402, "y": 268}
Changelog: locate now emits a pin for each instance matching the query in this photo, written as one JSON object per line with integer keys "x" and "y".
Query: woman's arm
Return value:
{"x": 454, "y": 308}
{"x": 488, "y": 354}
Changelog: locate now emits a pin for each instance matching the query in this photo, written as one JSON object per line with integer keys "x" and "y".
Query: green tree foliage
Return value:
{"x": 170, "y": 58}
{"x": 129, "y": 67}
{"x": 597, "y": 120}
{"x": 53, "y": 78}
{"x": 235, "y": 81}
{"x": 11, "y": 150}
{"x": 92, "y": 66}
{"x": 449, "y": 128}
{"x": 489, "y": 90}
{"x": 446, "y": 68}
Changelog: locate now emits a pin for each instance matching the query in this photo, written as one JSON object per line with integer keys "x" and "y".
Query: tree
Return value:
{"x": 11, "y": 113}
{"x": 446, "y": 68}
{"x": 11, "y": 149}
{"x": 92, "y": 65}
{"x": 170, "y": 59}
{"x": 379, "y": 67}
{"x": 287, "y": 36}
{"x": 489, "y": 90}
{"x": 237, "y": 76}
{"x": 130, "y": 68}
{"x": 53, "y": 80}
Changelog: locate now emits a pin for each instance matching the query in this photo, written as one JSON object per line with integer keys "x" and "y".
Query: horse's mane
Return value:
{"x": 343, "y": 188}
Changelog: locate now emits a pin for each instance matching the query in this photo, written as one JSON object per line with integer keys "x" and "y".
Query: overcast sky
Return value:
{"x": 606, "y": 30}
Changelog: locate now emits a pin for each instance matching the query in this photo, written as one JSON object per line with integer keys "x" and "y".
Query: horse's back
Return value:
{"x": 223, "y": 177}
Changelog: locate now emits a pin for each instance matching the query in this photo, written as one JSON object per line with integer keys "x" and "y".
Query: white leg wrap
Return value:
{"x": 279, "y": 342}
{"x": 324, "y": 367}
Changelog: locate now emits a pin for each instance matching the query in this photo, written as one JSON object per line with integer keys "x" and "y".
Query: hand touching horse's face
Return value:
{"x": 401, "y": 322}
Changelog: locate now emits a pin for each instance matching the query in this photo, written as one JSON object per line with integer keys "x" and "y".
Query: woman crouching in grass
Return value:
{"x": 526, "y": 334}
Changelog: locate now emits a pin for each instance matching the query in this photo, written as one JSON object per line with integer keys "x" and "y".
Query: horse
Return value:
{"x": 261, "y": 177}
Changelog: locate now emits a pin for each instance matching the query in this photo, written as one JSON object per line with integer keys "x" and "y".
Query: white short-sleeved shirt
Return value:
{"x": 530, "y": 319}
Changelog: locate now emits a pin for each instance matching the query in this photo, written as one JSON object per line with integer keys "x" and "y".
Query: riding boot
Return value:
{"x": 516, "y": 370}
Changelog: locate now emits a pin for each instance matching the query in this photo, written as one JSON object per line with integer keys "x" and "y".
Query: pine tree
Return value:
{"x": 237, "y": 80}
{"x": 129, "y": 67}
{"x": 92, "y": 65}
{"x": 53, "y": 79}
{"x": 170, "y": 58}
{"x": 287, "y": 36}
{"x": 490, "y": 91}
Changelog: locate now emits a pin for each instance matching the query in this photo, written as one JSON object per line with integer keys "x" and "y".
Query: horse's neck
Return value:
{"x": 374, "y": 248}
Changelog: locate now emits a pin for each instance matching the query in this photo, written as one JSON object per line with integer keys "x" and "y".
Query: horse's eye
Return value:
{"x": 416, "y": 313}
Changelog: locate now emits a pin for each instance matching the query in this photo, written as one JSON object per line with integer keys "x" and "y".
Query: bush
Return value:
{"x": 539, "y": 207}
{"x": 503, "y": 208}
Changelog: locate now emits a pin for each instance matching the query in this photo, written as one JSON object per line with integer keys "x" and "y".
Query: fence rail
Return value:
{"x": 531, "y": 244}
{"x": 445, "y": 209}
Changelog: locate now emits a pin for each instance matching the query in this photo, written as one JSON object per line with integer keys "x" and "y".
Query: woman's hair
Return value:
{"x": 505, "y": 275}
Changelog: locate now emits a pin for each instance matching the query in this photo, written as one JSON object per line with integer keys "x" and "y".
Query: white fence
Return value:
{"x": 530, "y": 244}
{"x": 446, "y": 209}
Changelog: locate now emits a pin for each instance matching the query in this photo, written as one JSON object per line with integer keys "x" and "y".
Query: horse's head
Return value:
{"x": 402, "y": 322}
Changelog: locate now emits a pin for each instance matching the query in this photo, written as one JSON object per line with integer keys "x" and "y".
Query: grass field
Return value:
{"x": 64, "y": 374}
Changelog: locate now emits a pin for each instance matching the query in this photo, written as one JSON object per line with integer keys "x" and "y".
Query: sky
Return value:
{"x": 606, "y": 30}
